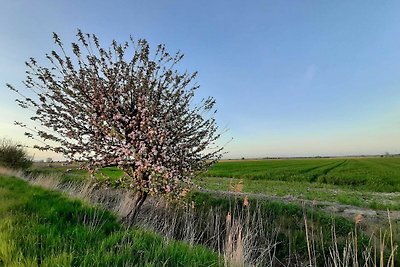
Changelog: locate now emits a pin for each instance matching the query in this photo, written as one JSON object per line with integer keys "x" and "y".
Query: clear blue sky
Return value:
{"x": 291, "y": 78}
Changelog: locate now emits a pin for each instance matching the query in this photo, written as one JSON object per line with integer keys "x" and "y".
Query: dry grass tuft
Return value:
{"x": 246, "y": 201}
{"x": 234, "y": 245}
{"x": 358, "y": 218}
{"x": 49, "y": 182}
{"x": 10, "y": 172}
{"x": 236, "y": 187}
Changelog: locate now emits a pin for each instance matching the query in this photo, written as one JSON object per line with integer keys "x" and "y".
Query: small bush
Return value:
{"x": 13, "y": 155}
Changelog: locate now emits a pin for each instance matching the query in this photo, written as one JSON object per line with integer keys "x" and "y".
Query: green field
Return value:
{"x": 364, "y": 182}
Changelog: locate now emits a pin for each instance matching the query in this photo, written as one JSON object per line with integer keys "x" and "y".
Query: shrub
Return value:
{"x": 13, "y": 155}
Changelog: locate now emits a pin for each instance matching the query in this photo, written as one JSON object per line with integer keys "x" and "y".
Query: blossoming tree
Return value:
{"x": 122, "y": 106}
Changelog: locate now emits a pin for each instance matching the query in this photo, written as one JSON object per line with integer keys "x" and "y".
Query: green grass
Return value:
{"x": 364, "y": 182}
{"x": 44, "y": 228}
{"x": 72, "y": 173}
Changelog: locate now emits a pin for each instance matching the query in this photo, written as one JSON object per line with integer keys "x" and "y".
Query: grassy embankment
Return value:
{"x": 364, "y": 182}
{"x": 280, "y": 224}
{"x": 44, "y": 228}
{"x": 341, "y": 180}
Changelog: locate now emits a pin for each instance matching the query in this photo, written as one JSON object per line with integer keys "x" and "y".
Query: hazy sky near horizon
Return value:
{"x": 291, "y": 78}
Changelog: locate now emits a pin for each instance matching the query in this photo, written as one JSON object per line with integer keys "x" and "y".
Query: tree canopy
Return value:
{"x": 122, "y": 106}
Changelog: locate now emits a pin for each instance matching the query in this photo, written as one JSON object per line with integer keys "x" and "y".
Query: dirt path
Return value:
{"x": 347, "y": 211}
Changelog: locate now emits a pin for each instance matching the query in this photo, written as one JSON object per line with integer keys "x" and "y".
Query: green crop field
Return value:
{"x": 364, "y": 182}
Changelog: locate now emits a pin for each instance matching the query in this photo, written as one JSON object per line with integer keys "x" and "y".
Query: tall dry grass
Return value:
{"x": 11, "y": 172}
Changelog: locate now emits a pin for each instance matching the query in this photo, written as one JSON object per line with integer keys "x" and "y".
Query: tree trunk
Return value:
{"x": 138, "y": 201}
